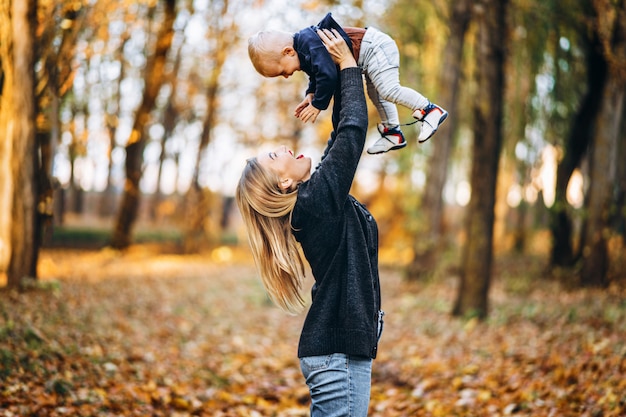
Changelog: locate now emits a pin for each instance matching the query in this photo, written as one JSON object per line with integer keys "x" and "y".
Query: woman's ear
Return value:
{"x": 285, "y": 184}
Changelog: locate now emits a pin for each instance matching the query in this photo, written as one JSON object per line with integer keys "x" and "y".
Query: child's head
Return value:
{"x": 272, "y": 53}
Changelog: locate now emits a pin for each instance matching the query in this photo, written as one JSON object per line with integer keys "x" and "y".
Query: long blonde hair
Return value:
{"x": 266, "y": 211}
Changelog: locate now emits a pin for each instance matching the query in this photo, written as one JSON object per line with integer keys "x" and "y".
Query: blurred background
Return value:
{"x": 144, "y": 112}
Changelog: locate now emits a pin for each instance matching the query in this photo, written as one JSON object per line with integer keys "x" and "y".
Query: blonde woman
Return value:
{"x": 285, "y": 208}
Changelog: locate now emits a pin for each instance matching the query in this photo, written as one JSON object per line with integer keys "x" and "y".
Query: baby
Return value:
{"x": 277, "y": 53}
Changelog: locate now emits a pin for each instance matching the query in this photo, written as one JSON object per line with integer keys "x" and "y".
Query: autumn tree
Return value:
{"x": 198, "y": 201}
{"x": 6, "y": 146}
{"x": 575, "y": 145}
{"x": 112, "y": 117}
{"x": 619, "y": 214}
{"x": 611, "y": 29}
{"x": 154, "y": 76}
{"x": 427, "y": 243}
{"x": 472, "y": 296}
{"x": 18, "y": 187}
{"x": 56, "y": 49}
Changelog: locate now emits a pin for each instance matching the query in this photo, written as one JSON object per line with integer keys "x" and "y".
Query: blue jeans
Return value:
{"x": 339, "y": 384}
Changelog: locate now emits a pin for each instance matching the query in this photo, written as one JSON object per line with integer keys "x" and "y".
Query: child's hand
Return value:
{"x": 305, "y": 103}
{"x": 305, "y": 110}
{"x": 309, "y": 114}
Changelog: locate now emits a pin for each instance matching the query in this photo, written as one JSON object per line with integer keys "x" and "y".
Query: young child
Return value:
{"x": 276, "y": 53}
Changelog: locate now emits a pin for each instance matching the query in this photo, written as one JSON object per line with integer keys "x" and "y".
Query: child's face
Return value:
{"x": 285, "y": 66}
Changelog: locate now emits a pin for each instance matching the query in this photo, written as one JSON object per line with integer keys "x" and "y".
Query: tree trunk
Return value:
{"x": 595, "y": 251}
{"x": 170, "y": 117}
{"x": 603, "y": 157}
{"x": 74, "y": 189}
{"x": 45, "y": 198}
{"x": 136, "y": 143}
{"x": 576, "y": 145}
{"x": 56, "y": 48}
{"x": 24, "y": 156}
{"x": 619, "y": 215}
{"x": 7, "y": 85}
{"x": 76, "y": 149}
{"x": 472, "y": 297}
{"x": 427, "y": 243}
{"x": 107, "y": 197}
{"x": 197, "y": 202}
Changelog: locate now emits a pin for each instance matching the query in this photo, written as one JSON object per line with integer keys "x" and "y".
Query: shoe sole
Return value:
{"x": 441, "y": 120}
{"x": 393, "y": 148}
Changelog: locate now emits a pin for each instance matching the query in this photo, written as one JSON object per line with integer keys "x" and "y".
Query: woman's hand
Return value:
{"x": 337, "y": 47}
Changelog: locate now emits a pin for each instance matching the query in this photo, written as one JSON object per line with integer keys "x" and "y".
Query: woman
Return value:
{"x": 286, "y": 207}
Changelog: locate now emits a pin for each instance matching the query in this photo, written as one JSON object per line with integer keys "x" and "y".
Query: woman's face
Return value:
{"x": 289, "y": 168}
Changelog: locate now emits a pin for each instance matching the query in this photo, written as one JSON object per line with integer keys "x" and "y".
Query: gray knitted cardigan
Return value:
{"x": 339, "y": 238}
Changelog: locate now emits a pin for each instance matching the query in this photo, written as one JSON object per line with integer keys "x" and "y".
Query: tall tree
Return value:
{"x": 6, "y": 145}
{"x": 171, "y": 114}
{"x": 574, "y": 149}
{"x": 56, "y": 49}
{"x": 153, "y": 79}
{"x": 619, "y": 214}
{"x": 17, "y": 124}
{"x": 536, "y": 52}
{"x": 426, "y": 243}
{"x": 111, "y": 117}
{"x": 198, "y": 202}
{"x": 611, "y": 27}
{"x": 472, "y": 296}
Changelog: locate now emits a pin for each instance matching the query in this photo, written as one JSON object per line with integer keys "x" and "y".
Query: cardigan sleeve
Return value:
{"x": 325, "y": 193}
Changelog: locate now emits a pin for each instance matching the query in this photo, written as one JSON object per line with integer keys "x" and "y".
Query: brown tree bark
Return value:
{"x": 154, "y": 77}
{"x": 170, "y": 117}
{"x": 198, "y": 202}
{"x": 598, "y": 202}
{"x": 77, "y": 148}
{"x": 112, "y": 121}
{"x": 603, "y": 160}
{"x": 23, "y": 22}
{"x": 6, "y": 145}
{"x": 428, "y": 242}
{"x": 56, "y": 49}
{"x": 619, "y": 214}
{"x": 576, "y": 145}
{"x": 472, "y": 296}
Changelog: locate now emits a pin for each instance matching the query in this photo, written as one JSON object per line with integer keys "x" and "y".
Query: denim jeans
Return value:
{"x": 379, "y": 60}
{"x": 339, "y": 384}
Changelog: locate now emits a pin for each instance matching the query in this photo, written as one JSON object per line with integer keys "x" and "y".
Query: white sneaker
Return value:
{"x": 391, "y": 138}
{"x": 431, "y": 117}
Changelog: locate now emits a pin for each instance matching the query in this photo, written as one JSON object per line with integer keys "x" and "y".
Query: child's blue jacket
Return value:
{"x": 317, "y": 63}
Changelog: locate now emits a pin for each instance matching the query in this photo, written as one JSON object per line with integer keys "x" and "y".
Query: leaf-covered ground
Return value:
{"x": 138, "y": 334}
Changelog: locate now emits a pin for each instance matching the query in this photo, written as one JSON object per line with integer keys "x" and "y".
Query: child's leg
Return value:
{"x": 387, "y": 84}
{"x": 391, "y": 135}
{"x": 387, "y": 111}
{"x": 380, "y": 61}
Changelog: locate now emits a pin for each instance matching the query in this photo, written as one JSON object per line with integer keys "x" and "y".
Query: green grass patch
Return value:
{"x": 88, "y": 237}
